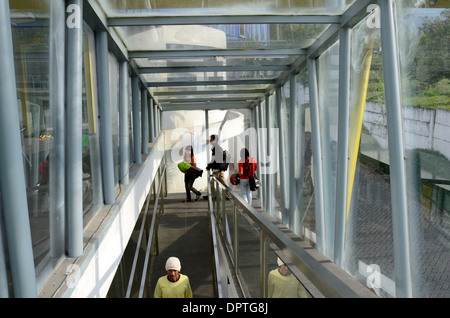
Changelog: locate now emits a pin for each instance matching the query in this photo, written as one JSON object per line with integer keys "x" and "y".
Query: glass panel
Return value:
{"x": 328, "y": 79}
{"x": 423, "y": 33}
{"x": 248, "y": 257}
{"x": 36, "y": 57}
{"x": 369, "y": 239}
{"x": 238, "y": 7}
{"x": 248, "y": 36}
{"x": 92, "y": 180}
{"x": 305, "y": 172}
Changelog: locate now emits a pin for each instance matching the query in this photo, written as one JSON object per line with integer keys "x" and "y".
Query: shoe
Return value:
{"x": 198, "y": 197}
{"x": 205, "y": 197}
{"x": 187, "y": 200}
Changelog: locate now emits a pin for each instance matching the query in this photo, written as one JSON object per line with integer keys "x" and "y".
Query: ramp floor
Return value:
{"x": 184, "y": 232}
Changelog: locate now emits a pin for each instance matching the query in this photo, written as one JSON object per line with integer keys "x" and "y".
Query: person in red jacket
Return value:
{"x": 247, "y": 167}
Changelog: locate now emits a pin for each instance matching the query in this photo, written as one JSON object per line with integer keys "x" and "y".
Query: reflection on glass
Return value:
{"x": 369, "y": 237}
{"x": 281, "y": 283}
{"x": 328, "y": 77}
{"x": 31, "y": 41}
{"x": 248, "y": 253}
{"x": 92, "y": 186}
{"x": 423, "y": 33}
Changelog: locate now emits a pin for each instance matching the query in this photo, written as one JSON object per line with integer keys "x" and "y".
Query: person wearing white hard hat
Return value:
{"x": 174, "y": 284}
{"x": 283, "y": 284}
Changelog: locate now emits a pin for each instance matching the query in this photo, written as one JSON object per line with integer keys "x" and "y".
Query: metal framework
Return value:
{"x": 154, "y": 102}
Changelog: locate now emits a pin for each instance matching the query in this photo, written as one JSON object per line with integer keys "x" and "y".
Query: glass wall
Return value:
{"x": 424, "y": 46}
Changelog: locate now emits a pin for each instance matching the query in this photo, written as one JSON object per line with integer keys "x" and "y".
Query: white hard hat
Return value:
{"x": 173, "y": 263}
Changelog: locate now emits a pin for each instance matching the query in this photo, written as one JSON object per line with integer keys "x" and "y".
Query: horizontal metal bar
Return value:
{"x": 210, "y": 92}
{"x": 203, "y": 69}
{"x": 226, "y": 19}
{"x": 212, "y": 83}
{"x": 206, "y": 106}
{"x": 356, "y": 12}
{"x": 325, "y": 40}
{"x": 185, "y": 54}
{"x": 205, "y": 100}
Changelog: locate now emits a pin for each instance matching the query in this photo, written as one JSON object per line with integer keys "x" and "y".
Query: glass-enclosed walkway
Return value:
{"x": 343, "y": 104}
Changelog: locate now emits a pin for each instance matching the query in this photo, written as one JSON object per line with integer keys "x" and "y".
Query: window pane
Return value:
{"x": 424, "y": 46}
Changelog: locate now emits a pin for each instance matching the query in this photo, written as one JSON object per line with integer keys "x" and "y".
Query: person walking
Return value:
{"x": 247, "y": 167}
{"x": 174, "y": 284}
{"x": 189, "y": 175}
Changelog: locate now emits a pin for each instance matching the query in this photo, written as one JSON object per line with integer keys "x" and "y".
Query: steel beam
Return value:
{"x": 74, "y": 101}
{"x": 212, "y": 83}
{"x": 399, "y": 198}
{"x": 187, "y": 54}
{"x": 203, "y": 69}
{"x": 225, "y": 19}
{"x": 124, "y": 123}
{"x": 105, "y": 118}
{"x": 136, "y": 119}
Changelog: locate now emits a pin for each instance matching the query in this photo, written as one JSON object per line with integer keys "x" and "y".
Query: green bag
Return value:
{"x": 184, "y": 166}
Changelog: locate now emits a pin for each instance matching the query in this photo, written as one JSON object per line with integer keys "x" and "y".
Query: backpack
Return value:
{"x": 226, "y": 161}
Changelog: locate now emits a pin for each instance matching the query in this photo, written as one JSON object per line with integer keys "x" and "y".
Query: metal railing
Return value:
{"x": 148, "y": 231}
{"x": 252, "y": 240}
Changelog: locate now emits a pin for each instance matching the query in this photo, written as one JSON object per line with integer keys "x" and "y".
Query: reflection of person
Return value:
{"x": 174, "y": 284}
{"x": 189, "y": 175}
{"x": 247, "y": 167}
{"x": 283, "y": 284}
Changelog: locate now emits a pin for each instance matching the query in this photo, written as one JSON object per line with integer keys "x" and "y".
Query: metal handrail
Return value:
{"x": 321, "y": 277}
{"x": 150, "y": 237}
{"x": 214, "y": 242}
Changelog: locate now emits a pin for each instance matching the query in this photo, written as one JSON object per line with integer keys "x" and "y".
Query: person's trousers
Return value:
{"x": 189, "y": 186}
{"x": 245, "y": 190}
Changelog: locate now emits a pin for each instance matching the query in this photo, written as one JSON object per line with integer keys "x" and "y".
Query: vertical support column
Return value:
{"x": 74, "y": 95}
{"x": 144, "y": 121}
{"x": 263, "y": 263}
{"x": 151, "y": 120}
{"x": 155, "y": 120}
{"x": 12, "y": 176}
{"x": 293, "y": 125}
{"x": 136, "y": 121}
{"x": 105, "y": 117}
{"x": 317, "y": 155}
{"x": 57, "y": 189}
{"x": 208, "y": 152}
{"x": 269, "y": 162}
{"x": 262, "y": 190}
{"x": 282, "y": 155}
{"x": 124, "y": 124}
{"x": 342, "y": 155}
{"x": 400, "y": 224}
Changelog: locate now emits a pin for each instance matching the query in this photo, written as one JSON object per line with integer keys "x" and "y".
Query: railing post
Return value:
{"x": 263, "y": 264}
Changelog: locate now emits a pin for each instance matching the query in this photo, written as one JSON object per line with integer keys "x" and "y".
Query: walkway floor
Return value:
{"x": 184, "y": 232}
